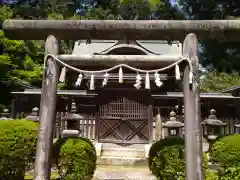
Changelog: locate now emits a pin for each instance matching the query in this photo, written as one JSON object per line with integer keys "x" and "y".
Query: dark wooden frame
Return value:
{"x": 142, "y": 105}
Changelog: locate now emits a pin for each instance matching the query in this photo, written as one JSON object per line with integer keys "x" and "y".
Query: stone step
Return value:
{"x": 123, "y": 152}
{"x": 122, "y": 161}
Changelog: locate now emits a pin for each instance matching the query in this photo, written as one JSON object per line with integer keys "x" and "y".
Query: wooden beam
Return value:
{"x": 117, "y": 29}
{"x": 167, "y": 95}
{"x": 112, "y": 60}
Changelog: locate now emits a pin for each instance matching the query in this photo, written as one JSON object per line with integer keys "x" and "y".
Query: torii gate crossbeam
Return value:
{"x": 117, "y": 29}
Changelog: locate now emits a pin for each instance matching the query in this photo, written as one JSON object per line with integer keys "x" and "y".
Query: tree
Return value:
{"x": 141, "y": 9}
{"x": 224, "y": 56}
{"x": 217, "y": 81}
{"x": 20, "y": 61}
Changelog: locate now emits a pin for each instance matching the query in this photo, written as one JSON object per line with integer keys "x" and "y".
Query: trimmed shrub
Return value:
{"x": 230, "y": 173}
{"x": 166, "y": 159}
{"x": 226, "y": 151}
{"x": 211, "y": 175}
{"x": 17, "y": 148}
{"x": 75, "y": 158}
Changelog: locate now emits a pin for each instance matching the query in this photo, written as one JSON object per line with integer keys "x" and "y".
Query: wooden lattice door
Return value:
{"x": 124, "y": 117}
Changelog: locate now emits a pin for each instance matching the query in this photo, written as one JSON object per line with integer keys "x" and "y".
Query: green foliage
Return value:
{"x": 17, "y": 147}
{"x": 226, "y": 151}
{"x": 211, "y": 175}
{"x": 230, "y": 173}
{"x": 5, "y": 13}
{"x": 75, "y": 158}
{"x": 20, "y": 61}
{"x": 166, "y": 159}
{"x": 216, "y": 81}
{"x": 140, "y": 9}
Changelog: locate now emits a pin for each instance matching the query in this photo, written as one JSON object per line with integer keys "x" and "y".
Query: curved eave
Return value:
{"x": 129, "y": 46}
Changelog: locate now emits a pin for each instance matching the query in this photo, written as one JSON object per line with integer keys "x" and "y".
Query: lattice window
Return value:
{"x": 130, "y": 106}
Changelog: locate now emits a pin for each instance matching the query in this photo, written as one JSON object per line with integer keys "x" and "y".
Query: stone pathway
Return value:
{"x": 122, "y": 173}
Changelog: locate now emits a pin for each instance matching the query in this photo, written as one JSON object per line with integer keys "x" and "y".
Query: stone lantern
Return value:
{"x": 5, "y": 114}
{"x": 173, "y": 126}
{"x": 213, "y": 127}
{"x": 34, "y": 116}
{"x": 237, "y": 128}
{"x": 73, "y": 123}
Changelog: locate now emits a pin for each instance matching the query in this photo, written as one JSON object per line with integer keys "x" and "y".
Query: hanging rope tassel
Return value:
{"x": 63, "y": 75}
{"x": 158, "y": 81}
{"x": 79, "y": 80}
{"x": 92, "y": 83}
{"x": 147, "y": 81}
{"x": 138, "y": 82}
{"x": 104, "y": 83}
{"x": 120, "y": 76}
{"x": 177, "y": 72}
{"x": 190, "y": 77}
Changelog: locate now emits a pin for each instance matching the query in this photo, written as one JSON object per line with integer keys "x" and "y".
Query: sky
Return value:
{"x": 172, "y": 2}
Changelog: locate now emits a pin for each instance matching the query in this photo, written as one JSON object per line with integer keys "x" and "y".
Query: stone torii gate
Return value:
{"x": 185, "y": 31}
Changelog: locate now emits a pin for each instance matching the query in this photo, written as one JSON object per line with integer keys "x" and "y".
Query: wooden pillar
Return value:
{"x": 150, "y": 123}
{"x": 237, "y": 115}
{"x": 58, "y": 125}
{"x": 69, "y": 106}
{"x": 193, "y": 152}
{"x": 97, "y": 123}
{"x": 13, "y": 108}
{"x": 158, "y": 126}
{"x": 47, "y": 112}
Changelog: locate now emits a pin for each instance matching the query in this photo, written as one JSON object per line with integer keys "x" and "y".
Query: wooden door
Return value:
{"x": 125, "y": 117}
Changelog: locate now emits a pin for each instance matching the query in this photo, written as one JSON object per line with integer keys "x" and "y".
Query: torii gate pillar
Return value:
{"x": 192, "y": 113}
{"x": 47, "y": 112}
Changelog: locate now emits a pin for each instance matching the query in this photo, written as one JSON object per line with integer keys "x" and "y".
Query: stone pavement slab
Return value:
{"x": 122, "y": 173}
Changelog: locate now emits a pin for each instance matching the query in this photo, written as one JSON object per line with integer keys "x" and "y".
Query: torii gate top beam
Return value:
{"x": 228, "y": 30}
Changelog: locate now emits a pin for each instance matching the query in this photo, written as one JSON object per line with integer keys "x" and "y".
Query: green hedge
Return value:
{"x": 75, "y": 158}
{"x": 226, "y": 151}
{"x": 230, "y": 173}
{"x": 166, "y": 159}
{"x": 17, "y": 147}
